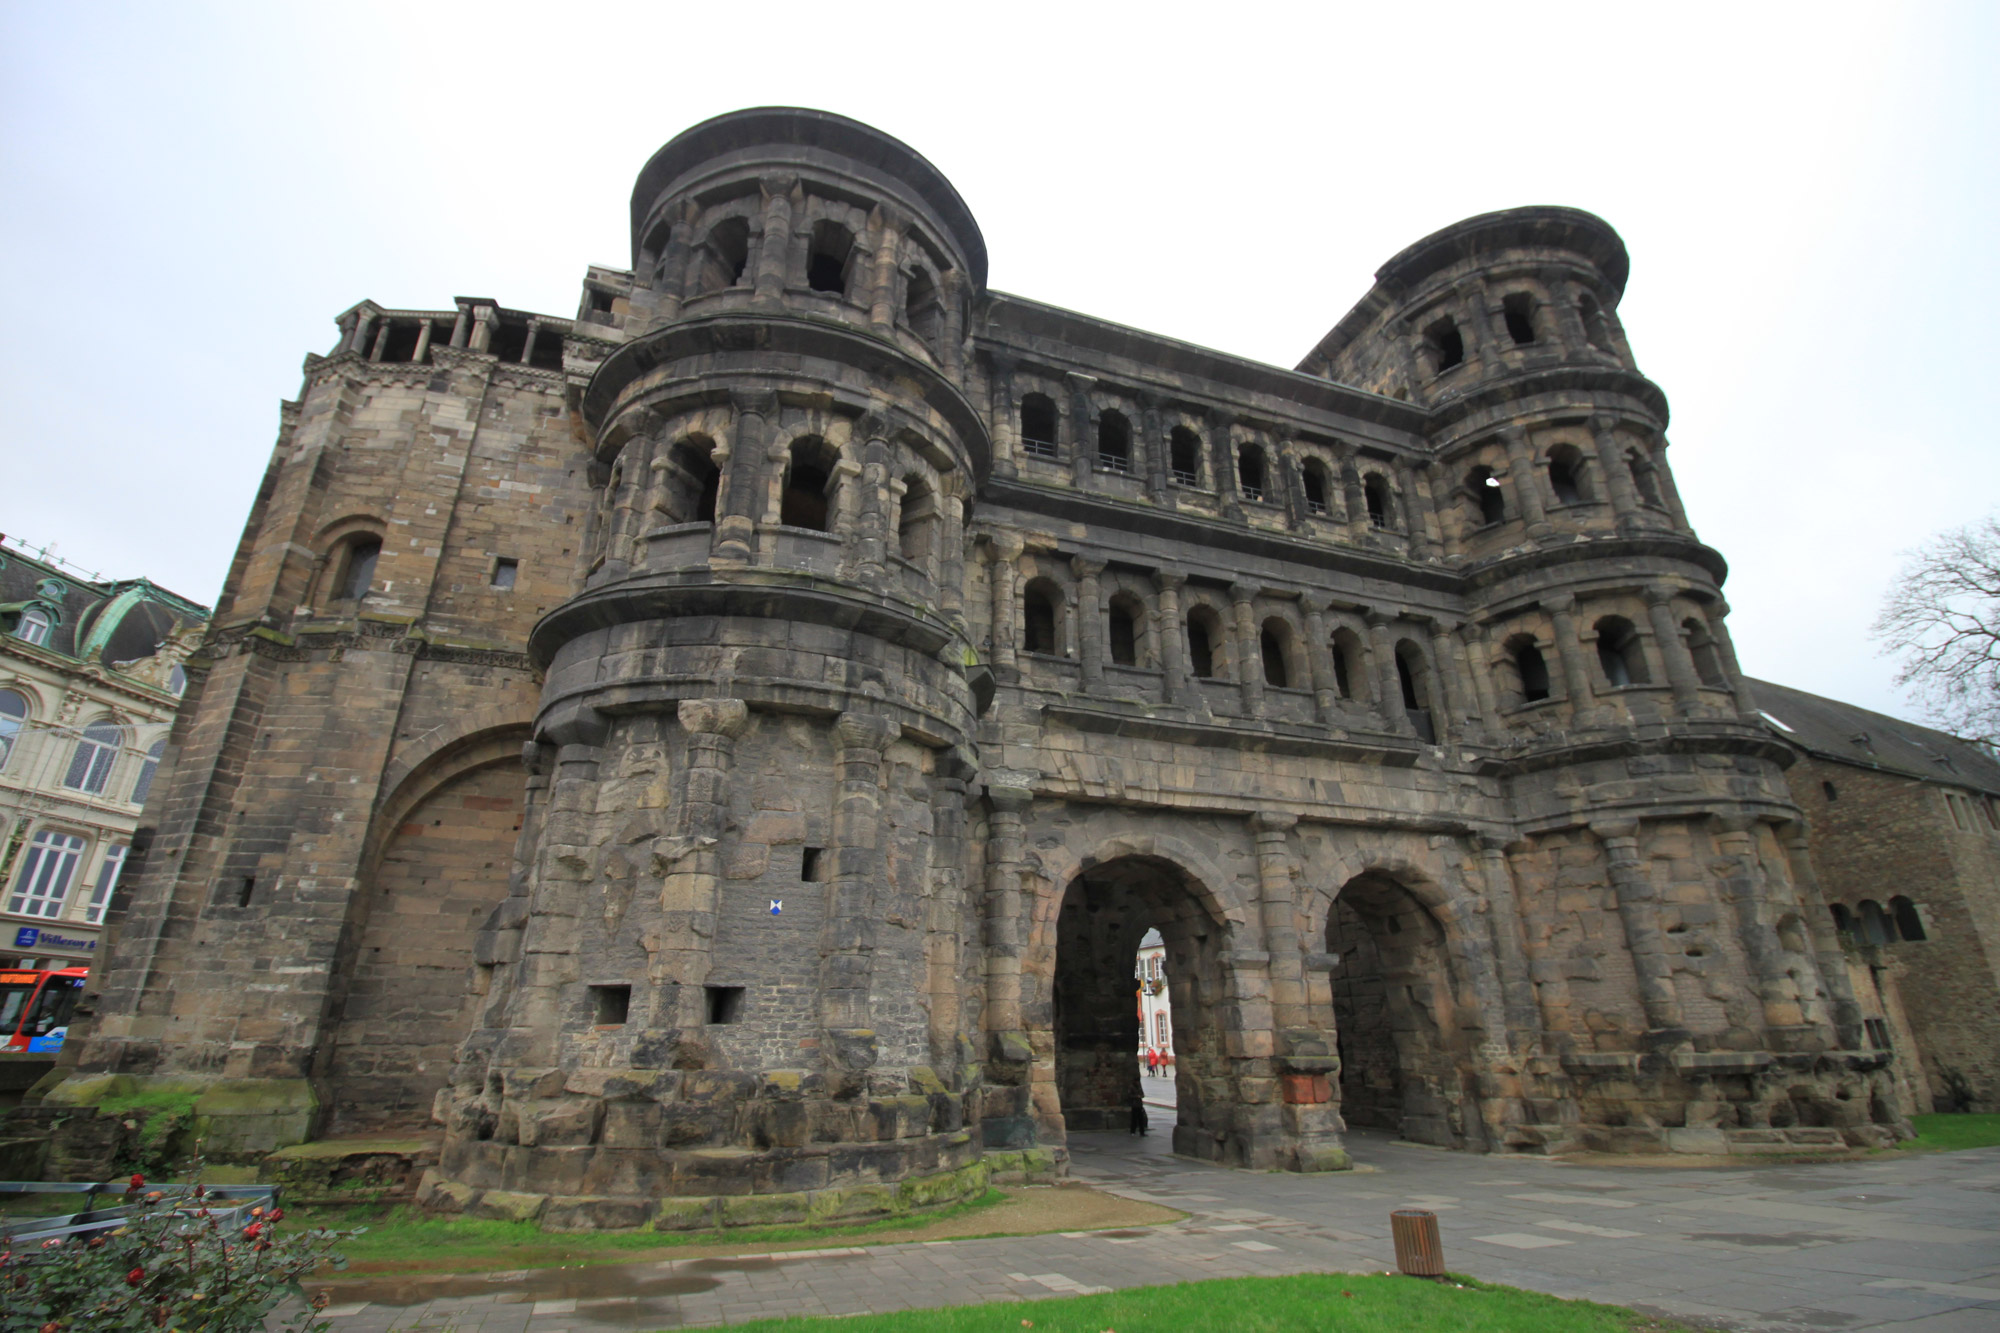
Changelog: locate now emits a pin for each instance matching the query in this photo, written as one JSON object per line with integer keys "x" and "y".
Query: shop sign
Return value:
{"x": 38, "y": 937}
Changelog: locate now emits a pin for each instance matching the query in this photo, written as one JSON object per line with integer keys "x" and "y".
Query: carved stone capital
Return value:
{"x": 1659, "y": 594}
{"x": 1274, "y": 821}
{"x": 865, "y": 731}
{"x": 1085, "y": 568}
{"x": 720, "y": 717}
{"x": 755, "y": 402}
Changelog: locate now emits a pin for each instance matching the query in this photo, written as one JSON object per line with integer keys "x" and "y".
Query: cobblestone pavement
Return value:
{"x": 1912, "y": 1245}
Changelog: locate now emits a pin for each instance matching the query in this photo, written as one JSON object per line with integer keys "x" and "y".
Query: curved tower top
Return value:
{"x": 760, "y": 139}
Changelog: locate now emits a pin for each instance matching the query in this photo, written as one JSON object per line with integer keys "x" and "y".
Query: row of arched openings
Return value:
{"x": 1621, "y": 657}
{"x": 833, "y": 265}
{"x": 1869, "y": 922}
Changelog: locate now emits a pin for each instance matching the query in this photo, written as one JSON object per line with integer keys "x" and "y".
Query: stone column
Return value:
{"x": 461, "y": 327}
{"x": 742, "y": 459}
{"x": 1503, "y": 920}
{"x": 1278, "y": 908}
{"x": 1568, "y": 319}
{"x": 381, "y": 343}
{"x": 951, "y": 557}
{"x": 1456, "y": 708}
{"x": 1415, "y": 501}
{"x": 1740, "y": 871}
{"x": 1157, "y": 450}
{"x": 1319, "y": 656}
{"x": 1005, "y": 853}
{"x": 774, "y": 250}
{"x": 671, "y": 280}
{"x": 358, "y": 340}
{"x": 528, "y": 347}
{"x": 1003, "y": 549}
{"x": 1285, "y": 460}
{"x": 1006, "y": 418}
{"x": 1639, "y": 910}
{"x": 1479, "y": 652}
{"x": 1670, "y": 492}
{"x": 1717, "y": 613}
{"x": 1090, "y": 623}
{"x": 1083, "y": 428}
{"x": 1569, "y": 651}
{"x": 482, "y": 327}
{"x": 423, "y": 340}
{"x": 847, "y": 941}
{"x": 690, "y": 894}
{"x": 1249, "y": 650}
{"x": 887, "y": 227}
{"x": 1351, "y": 492}
{"x": 1172, "y": 638}
{"x": 1222, "y": 464}
{"x": 871, "y": 545}
{"x": 1617, "y": 478}
{"x": 1831, "y": 958}
{"x": 1527, "y": 482}
{"x": 1388, "y": 685}
{"x": 951, "y": 337}
{"x": 1673, "y": 649}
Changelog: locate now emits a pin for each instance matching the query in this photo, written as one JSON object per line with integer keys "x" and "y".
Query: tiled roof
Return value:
{"x": 1846, "y": 734}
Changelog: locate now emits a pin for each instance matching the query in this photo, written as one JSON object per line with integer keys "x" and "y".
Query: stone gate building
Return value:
{"x": 718, "y": 754}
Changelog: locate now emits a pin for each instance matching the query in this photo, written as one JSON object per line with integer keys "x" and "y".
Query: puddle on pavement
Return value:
{"x": 751, "y": 1263}
{"x": 1123, "y": 1235}
{"x": 514, "y": 1288}
{"x": 1787, "y": 1239}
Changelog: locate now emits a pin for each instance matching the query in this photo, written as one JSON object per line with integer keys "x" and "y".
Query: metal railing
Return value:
{"x": 230, "y": 1204}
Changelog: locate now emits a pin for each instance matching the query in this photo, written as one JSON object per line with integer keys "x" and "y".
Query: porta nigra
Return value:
{"x": 717, "y": 755}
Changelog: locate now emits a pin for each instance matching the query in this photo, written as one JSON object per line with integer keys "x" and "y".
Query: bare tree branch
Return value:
{"x": 1941, "y": 621}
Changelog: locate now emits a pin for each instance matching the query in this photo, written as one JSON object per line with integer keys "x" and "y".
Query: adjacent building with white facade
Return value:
{"x": 90, "y": 675}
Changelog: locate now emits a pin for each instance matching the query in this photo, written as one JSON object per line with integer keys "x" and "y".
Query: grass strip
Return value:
{"x": 399, "y": 1238}
{"x": 1954, "y": 1132}
{"x": 1310, "y": 1303}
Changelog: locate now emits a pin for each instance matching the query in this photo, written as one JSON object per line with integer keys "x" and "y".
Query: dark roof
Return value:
{"x": 1846, "y": 734}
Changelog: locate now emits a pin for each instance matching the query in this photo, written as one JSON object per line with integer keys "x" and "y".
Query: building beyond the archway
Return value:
{"x": 745, "y": 729}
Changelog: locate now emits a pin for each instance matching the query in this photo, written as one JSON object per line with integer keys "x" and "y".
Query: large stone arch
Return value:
{"x": 440, "y": 856}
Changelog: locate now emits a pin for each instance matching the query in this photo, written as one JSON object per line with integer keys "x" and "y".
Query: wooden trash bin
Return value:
{"x": 1419, "y": 1251}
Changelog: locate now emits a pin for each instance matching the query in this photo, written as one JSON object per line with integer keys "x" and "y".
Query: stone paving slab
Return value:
{"x": 1910, "y": 1244}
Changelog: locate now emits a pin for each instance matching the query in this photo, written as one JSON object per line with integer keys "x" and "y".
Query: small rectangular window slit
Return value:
{"x": 609, "y": 1005}
{"x": 504, "y": 570}
{"x": 809, "y": 865}
{"x": 725, "y": 1004}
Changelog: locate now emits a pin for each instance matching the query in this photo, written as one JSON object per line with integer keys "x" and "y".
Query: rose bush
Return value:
{"x": 173, "y": 1264}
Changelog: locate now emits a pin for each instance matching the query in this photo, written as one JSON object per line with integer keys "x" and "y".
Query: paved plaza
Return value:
{"x": 1908, "y": 1244}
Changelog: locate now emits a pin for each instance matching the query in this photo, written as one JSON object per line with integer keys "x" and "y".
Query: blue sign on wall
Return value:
{"x": 25, "y": 937}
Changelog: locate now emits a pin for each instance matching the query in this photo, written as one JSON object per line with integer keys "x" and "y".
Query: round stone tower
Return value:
{"x": 728, "y": 974}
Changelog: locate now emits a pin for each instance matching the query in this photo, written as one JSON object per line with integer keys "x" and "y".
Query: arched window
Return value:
{"x": 692, "y": 481}
{"x": 33, "y": 626}
{"x": 1318, "y": 484}
{"x": 1184, "y": 448}
{"x": 42, "y": 887}
{"x": 1484, "y": 488}
{"x": 1114, "y": 443}
{"x": 1872, "y": 925}
{"x": 1414, "y": 676}
{"x": 1204, "y": 632}
{"x": 1620, "y": 653}
{"x": 725, "y": 253}
{"x": 96, "y": 751}
{"x": 1530, "y": 666}
{"x": 1041, "y": 618}
{"x": 1843, "y": 920}
{"x": 916, "y": 522}
{"x": 1375, "y": 490}
{"x": 1908, "y": 924}
{"x": 1349, "y": 664}
{"x": 1038, "y": 426}
{"x": 1644, "y": 479}
{"x": 1566, "y": 474}
{"x": 1517, "y": 309}
{"x": 1706, "y": 652}
{"x": 13, "y": 716}
{"x": 357, "y": 568}
{"x": 1125, "y": 614}
{"x": 922, "y": 307}
{"x": 1274, "y": 644}
{"x": 144, "y": 786}
{"x": 1250, "y": 471}
{"x": 807, "y": 501}
{"x": 827, "y": 261}
{"x": 1445, "y": 345}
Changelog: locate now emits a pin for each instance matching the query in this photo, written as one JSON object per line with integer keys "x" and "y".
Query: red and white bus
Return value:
{"x": 35, "y": 1005}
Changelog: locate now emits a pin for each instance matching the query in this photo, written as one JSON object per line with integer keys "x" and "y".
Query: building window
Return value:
{"x": 1909, "y": 924}
{"x": 1184, "y": 449}
{"x": 505, "y": 570}
{"x": 1114, "y": 443}
{"x": 43, "y": 885}
{"x": 13, "y": 716}
{"x": 923, "y": 308}
{"x": 357, "y": 571}
{"x": 808, "y": 494}
{"x": 1250, "y": 471}
{"x": 1347, "y": 662}
{"x": 1124, "y": 636}
{"x": 610, "y": 1006}
{"x": 96, "y": 751}
{"x": 1532, "y": 668}
{"x": 1160, "y": 1028}
{"x": 33, "y": 626}
{"x": 1201, "y": 632}
{"x": 1314, "y": 476}
{"x": 916, "y": 520}
{"x": 725, "y": 1004}
{"x": 1566, "y": 474}
{"x": 1644, "y": 478}
{"x": 1619, "y": 653}
{"x": 692, "y": 481}
{"x": 1445, "y": 344}
{"x": 1038, "y": 426}
{"x": 1274, "y": 644}
{"x": 832, "y": 247}
{"x": 1832, "y": 792}
{"x": 1414, "y": 677}
{"x": 1878, "y": 1033}
{"x": 144, "y": 785}
{"x": 1518, "y": 310}
{"x": 725, "y": 254}
{"x": 107, "y": 883}
{"x": 1039, "y": 618}
{"x": 1485, "y": 490}
{"x": 1707, "y": 655}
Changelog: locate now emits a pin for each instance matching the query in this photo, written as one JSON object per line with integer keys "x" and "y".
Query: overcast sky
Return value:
{"x": 193, "y": 192}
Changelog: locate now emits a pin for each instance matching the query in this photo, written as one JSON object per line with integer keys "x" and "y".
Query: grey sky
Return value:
{"x": 1808, "y": 192}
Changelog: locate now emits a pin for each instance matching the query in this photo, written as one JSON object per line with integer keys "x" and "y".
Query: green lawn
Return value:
{"x": 1313, "y": 1303}
{"x": 1950, "y": 1133}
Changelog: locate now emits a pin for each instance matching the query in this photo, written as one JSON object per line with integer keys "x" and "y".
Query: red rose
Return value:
{"x": 277, "y": 1215}
{"x": 252, "y": 1231}
{"x": 138, "y": 1183}
{"x": 135, "y": 1277}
